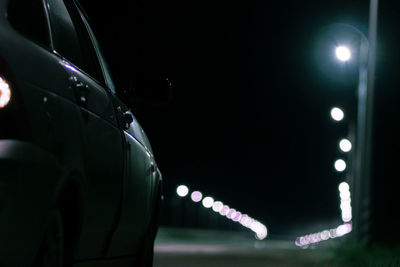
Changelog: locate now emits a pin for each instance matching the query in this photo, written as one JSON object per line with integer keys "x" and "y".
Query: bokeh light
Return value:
{"x": 345, "y": 201}
{"x": 337, "y": 114}
{"x": 244, "y": 219}
{"x": 345, "y": 145}
{"x": 345, "y": 195}
{"x": 231, "y": 213}
{"x": 224, "y": 210}
{"x": 249, "y": 222}
{"x": 217, "y": 206}
{"x": 340, "y": 165}
{"x": 196, "y": 196}
{"x": 341, "y": 230}
{"x": 257, "y": 227}
{"x": 208, "y": 202}
{"x": 237, "y": 216}
{"x": 182, "y": 190}
{"x": 343, "y": 186}
{"x": 345, "y": 205}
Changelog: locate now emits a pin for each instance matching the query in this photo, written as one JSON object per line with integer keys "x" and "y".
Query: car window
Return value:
{"x": 106, "y": 69}
{"x": 90, "y": 56}
{"x": 29, "y": 19}
{"x": 65, "y": 39}
{"x": 70, "y": 39}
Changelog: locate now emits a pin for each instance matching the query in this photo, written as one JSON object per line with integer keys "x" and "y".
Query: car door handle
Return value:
{"x": 81, "y": 90}
{"x": 81, "y": 87}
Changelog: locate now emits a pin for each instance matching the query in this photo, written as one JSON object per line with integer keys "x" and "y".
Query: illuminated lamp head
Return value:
{"x": 343, "y": 53}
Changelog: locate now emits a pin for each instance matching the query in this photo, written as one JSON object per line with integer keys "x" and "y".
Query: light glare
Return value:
{"x": 343, "y": 53}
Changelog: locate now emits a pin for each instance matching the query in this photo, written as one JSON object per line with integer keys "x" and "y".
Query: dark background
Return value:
{"x": 254, "y": 83}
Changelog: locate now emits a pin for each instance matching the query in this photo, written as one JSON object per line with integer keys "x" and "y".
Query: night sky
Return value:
{"x": 254, "y": 83}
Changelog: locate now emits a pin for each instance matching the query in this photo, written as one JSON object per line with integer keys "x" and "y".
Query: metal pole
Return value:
{"x": 364, "y": 128}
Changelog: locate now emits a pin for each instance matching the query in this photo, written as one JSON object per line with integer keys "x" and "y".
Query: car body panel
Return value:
{"x": 115, "y": 166}
{"x": 135, "y": 213}
{"x": 103, "y": 157}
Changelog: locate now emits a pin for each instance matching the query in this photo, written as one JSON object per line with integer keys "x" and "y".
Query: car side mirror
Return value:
{"x": 148, "y": 93}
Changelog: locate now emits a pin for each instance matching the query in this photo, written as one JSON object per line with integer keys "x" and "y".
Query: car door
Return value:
{"x": 137, "y": 205}
{"x": 140, "y": 172}
{"x": 102, "y": 139}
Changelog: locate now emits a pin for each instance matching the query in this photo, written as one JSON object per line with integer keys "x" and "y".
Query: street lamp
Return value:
{"x": 343, "y": 53}
{"x": 362, "y": 167}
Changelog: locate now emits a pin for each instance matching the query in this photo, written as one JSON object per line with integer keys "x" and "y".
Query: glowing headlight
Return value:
{"x": 5, "y": 93}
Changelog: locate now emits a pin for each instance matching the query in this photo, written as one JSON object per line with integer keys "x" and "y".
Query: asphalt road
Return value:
{"x": 199, "y": 248}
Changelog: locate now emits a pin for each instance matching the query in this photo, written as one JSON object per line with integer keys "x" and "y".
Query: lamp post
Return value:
{"x": 363, "y": 144}
{"x": 362, "y": 178}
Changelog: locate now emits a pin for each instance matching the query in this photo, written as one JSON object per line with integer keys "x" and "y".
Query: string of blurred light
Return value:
{"x": 220, "y": 208}
{"x": 345, "y": 202}
{"x": 341, "y": 230}
{"x": 340, "y": 165}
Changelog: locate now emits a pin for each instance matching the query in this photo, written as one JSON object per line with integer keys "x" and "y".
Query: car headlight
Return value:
{"x": 5, "y": 93}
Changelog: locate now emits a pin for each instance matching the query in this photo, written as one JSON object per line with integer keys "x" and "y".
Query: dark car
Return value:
{"x": 78, "y": 180}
